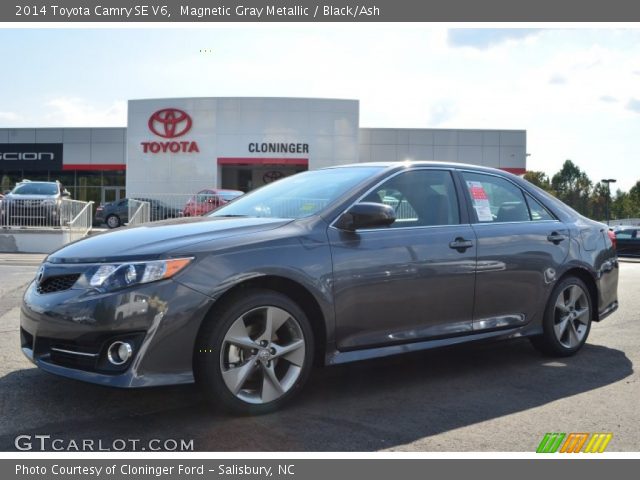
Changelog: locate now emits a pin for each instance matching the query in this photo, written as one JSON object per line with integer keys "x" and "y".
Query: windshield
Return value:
{"x": 36, "y": 188}
{"x": 298, "y": 196}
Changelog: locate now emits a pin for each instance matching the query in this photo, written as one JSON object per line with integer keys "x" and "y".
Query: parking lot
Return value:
{"x": 489, "y": 397}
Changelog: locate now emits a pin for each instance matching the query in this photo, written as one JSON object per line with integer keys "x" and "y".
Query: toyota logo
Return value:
{"x": 170, "y": 123}
{"x": 272, "y": 176}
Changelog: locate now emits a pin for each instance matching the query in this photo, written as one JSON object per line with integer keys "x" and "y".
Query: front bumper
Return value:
{"x": 68, "y": 332}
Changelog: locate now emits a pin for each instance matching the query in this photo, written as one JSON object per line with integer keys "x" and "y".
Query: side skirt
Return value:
{"x": 337, "y": 357}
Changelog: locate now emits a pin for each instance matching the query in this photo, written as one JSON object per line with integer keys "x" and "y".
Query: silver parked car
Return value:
{"x": 33, "y": 204}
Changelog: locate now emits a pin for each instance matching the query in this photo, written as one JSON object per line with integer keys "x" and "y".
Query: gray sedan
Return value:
{"x": 115, "y": 214}
{"x": 325, "y": 267}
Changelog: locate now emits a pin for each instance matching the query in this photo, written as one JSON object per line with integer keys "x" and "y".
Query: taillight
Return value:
{"x": 612, "y": 237}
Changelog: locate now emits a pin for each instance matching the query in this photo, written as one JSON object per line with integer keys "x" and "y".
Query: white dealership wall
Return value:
{"x": 82, "y": 147}
{"x": 504, "y": 149}
{"x": 224, "y": 127}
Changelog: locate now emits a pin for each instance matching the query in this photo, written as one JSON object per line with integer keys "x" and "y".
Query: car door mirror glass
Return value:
{"x": 366, "y": 215}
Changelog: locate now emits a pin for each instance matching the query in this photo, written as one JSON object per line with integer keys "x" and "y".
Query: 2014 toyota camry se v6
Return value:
{"x": 326, "y": 266}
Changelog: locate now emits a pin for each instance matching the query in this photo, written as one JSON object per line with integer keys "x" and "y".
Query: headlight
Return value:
{"x": 112, "y": 276}
{"x": 47, "y": 203}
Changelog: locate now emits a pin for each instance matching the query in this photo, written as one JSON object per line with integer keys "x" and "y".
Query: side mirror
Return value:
{"x": 366, "y": 215}
{"x": 66, "y": 193}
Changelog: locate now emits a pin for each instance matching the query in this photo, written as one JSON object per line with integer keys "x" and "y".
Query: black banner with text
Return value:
{"x": 319, "y": 11}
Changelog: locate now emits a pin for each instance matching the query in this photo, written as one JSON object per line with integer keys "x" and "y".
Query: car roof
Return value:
{"x": 423, "y": 163}
{"x": 36, "y": 182}
{"x": 220, "y": 190}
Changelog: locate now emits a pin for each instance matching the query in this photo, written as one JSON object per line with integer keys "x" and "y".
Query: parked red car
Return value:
{"x": 206, "y": 200}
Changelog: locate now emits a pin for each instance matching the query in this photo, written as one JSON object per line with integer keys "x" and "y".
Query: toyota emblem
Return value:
{"x": 170, "y": 123}
{"x": 272, "y": 176}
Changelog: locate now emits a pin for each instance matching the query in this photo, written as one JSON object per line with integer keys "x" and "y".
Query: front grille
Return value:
{"x": 26, "y": 203}
{"x": 58, "y": 283}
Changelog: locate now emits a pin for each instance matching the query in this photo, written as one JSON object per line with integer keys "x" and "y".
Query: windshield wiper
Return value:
{"x": 229, "y": 216}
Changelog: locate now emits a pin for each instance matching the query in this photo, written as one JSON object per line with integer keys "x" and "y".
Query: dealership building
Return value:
{"x": 183, "y": 145}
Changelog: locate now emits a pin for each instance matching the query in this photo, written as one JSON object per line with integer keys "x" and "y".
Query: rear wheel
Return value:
{"x": 255, "y": 353}
{"x": 567, "y": 319}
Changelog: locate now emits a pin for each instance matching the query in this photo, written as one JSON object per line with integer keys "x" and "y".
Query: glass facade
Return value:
{"x": 86, "y": 185}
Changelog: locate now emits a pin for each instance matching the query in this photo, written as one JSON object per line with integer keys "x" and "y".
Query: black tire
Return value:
{"x": 113, "y": 221}
{"x": 213, "y": 351}
{"x": 565, "y": 344}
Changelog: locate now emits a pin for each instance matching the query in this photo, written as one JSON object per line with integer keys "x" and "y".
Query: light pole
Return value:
{"x": 608, "y": 181}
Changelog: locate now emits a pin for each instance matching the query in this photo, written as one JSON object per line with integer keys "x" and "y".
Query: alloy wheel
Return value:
{"x": 572, "y": 315}
{"x": 262, "y": 355}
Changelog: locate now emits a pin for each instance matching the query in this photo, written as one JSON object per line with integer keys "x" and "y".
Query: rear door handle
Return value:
{"x": 556, "y": 237}
{"x": 460, "y": 244}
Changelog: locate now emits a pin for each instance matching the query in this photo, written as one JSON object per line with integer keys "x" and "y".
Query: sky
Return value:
{"x": 575, "y": 91}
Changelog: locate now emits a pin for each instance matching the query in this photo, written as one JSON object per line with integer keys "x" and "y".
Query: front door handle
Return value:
{"x": 556, "y": 237}
{"x": 460, "y": 244}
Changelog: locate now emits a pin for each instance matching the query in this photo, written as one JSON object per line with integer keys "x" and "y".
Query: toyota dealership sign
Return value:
{"x": 170, "y": 124}
{"x": 184, "y": 145}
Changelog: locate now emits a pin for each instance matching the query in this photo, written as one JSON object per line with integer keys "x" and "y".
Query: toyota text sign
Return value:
{"x": 170, "y": 123}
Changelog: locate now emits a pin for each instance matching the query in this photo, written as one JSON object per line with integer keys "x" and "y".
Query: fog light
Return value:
{"x": 119, "y": 353}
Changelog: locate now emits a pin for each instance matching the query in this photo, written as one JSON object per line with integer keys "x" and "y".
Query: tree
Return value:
{"x": 600, "y": 197}
{"x": 620, "y": 205}
{"x": 634, "y": 195}
{"x": 539, "y": 179}
{"x": 573, "y": 187}
{"x": 627, "y": 204}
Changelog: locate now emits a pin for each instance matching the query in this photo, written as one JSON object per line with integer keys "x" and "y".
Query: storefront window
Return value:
{"x": 114, "y": 178}
{"x": 90, "y": 194}
{"x": 36, "y": 176}
{"x": 83, "y": 185}
{"x": 67, "y": 179}
{"x": 9, "y": 179}
{"x": 87, "y": 183}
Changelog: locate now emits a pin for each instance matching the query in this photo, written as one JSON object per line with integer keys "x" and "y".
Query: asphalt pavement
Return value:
{"x": 484, "y": 397}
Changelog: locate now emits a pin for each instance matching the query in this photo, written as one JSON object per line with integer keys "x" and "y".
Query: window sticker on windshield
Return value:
{"x": 480, "y": 201}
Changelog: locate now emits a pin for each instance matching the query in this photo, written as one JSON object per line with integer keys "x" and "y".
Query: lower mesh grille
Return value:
{"x": 58, "y": 283}
{"x": 72, "y": 358}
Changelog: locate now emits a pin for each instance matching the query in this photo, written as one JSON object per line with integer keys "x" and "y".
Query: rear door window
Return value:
{"x": 495, "y": 200}
{"x": 537, "y": 210}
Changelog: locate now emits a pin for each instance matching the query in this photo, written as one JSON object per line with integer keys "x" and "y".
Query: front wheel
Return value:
{"x": 113, "y": 221}
{"x": 255, "y": 353}
{"x": 567, "y": 319}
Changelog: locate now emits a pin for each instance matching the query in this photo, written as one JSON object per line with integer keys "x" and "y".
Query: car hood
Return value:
{"x": 30, "y": 197}
{"x": 158, "y": 238}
